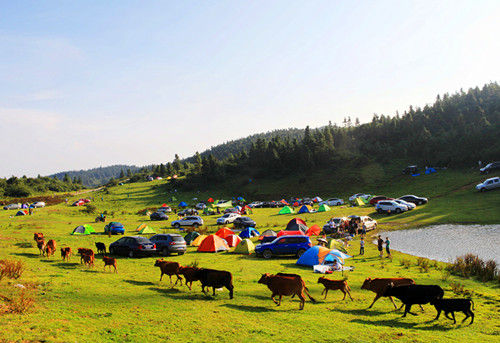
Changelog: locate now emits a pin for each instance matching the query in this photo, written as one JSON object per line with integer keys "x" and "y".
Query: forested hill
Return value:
{"x": 97, "y": 176}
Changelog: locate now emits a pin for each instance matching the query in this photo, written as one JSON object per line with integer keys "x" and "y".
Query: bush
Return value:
{"x": 471, "y": 265}
{"x": 11, "y": 269}
{"x": 89, "y": 208}
{"x": 405, "y": 263}
{"x": 423, "y": 264}
{"x": 17, "y": 304}
{"x": 18, "y": 190}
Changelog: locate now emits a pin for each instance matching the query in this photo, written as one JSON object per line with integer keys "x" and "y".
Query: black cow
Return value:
{"x": 215, "y": 279}
{"x": 414, "y": 294}
{"x": 452, "y": 306}
{"x": 101, "y": 248}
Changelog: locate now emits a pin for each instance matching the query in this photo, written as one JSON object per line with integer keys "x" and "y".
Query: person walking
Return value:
{"x": 387, "y": 247}
{"x": 362, "y": 246}
{"x": 380, "y": 243}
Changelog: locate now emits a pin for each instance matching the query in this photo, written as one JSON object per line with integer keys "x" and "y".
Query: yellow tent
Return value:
{"x": 197, "y": 241}
{"x": 359, "y": 202}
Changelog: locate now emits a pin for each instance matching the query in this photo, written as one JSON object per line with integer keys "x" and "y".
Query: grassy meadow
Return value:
{"x": 75, "y": 303}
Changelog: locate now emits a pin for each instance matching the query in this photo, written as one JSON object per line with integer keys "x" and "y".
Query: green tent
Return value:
{"x": 366, "y": 200}
{"x": 84, "y": 229}
{"x": 335, "y": 244}
{"x": 226, "y": 204}
{"x": 191, "y": 237}
{"x": 145, "y": 230}
{"x": 360, "y": 202}
{"x": 324, "y": 208}
{"x": 286, "y": 210}
{"x": 245, "y": 247}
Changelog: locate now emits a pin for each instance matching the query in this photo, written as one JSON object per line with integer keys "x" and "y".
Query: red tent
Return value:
{"x": 213, "y": 243}
{"x": 296, "y": 224}
{"x": 233, "y": 240}
{"x": 290, "y": 233}
{"x": 314, "y": 230}
{"x": 296, "y": 204}
{"x": 210, "y": 200}
{"x": 224, "y": 232}
{"x": 283, "y": 201}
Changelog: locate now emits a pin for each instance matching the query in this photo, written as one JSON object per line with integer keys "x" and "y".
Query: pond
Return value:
{"x": 448, "y": 241}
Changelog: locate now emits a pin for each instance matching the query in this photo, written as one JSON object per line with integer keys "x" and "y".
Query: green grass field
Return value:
{"x": 75, "y": 303}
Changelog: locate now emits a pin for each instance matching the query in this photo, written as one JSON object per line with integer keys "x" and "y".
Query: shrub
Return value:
{"x": 18, "y": 190}
{"x": 405, "y": 263}
{"x": 19, "y": 304}
{"x": 11, "y": 269}
{"x": 423, "y": 264}
{"x": 89, "y": 208}
{"x": 471, "y": 265}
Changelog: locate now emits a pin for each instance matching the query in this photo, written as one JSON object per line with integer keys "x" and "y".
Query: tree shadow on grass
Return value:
{"x": 27, "y": 254}
{"x": 399, "y": 323}
{"x": 247, "y": 308}
{"x": 139, "y": 283}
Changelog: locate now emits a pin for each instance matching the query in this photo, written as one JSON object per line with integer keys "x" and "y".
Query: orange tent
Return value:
{"x": 224, "y": 232}
{"x": 233, "y": 240}
{"x": 314, "y": 230}
{"x": 213, "y": 243}
{"x": 210, "y": 200}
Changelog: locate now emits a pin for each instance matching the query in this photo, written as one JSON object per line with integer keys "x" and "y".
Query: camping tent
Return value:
{"x": 198, "y": 240}
{"x": 283, "y": 201}
{"x": 359, "y": 202}
{"x": 305, "y": 209}
{"x": 296, "y": 204}
{"x": 246, "y": 247}
{"x": 210, "y": 200}
{"x": 84, "y": 229}
{"x": 267, "y": 233}
{"x": 314, "y": 230}
{"x": 317, "y": 199}
{"x": 191, "y": 237}
{"x": 182, "y": 204}
{"x": 249, "y": 232}
{"x": 21, "y": 213}
{"x": 290, "y": 233}
{"x": 146, "y": 229}
{"x": 232, "y": 240}
{"x": 320, "y": 255}
{"x": 224, "y": 232}
{"x": 286, "y": 210}
{"x": 296, "y": 224}
{"x": 226, "y": 204}
{"x": 140, "y": 227}
{"x": 324, "y": 208}
{"x": 335, "y": 244}
{"x": 213, "y": 243}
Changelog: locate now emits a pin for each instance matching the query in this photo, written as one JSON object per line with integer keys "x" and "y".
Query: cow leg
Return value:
{"x": 170, "y": 276}
{"x": 231, "y": 288}
{"x": 453, "y": 315}
{"x": 438, "y": 314}
{"x": 190, "y": 284}
{"x": 407, "y": 310}
{"x": 376, "y": 298}
{"x": 279, "y": 301}
{"x": 161, "y": 276}
{"x": 302, "y": 300}
{"x": 395, "y": 306}
{"x": 272, "y": 297}
{"x": 344, "y": 294}
{"x": 447, "y": 315}
{"x": 348, "y": 292}
{"x": 421, "y": 307}
{"x": 326, "y": 292}
{"x": 472, "y": 317}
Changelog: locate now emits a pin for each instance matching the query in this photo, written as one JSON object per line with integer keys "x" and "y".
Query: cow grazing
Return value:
{"x": 379, "y": 285}
{"x": 66, "y": 253}
{"x": 283, "y": 284}
{"x": 88, "y": 260}
{"x": 101, "y": 248}
{"x": 215, "y": 279}
{"x": 189, "y": 274}
{"x": 50, "y": 248}
{"x": 169, "y": 268}
{"x": 109, "y": 261}
{"x": 41, "y": 246}
{"x": 452, "y": 306}
{"x": 414, "y": 294}
{"x": 334, "y": 285}
{"x": 85, "y": 251}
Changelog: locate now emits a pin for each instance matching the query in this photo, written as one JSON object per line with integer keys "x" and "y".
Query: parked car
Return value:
{"x": 200, "y": 206}
{"x": 370, "y": 224}
{"x": 188, "y": 212}
{"x": 333, "y": 225}
{"x": 410, "y": 205}
{"x": 231, "y": 210}
{"x": 256, "y": 204}
{"x": 194, "y": 221}
{"x": 132, "y": 246}
{"x": 332, "y": 202}
{"x": 414, "y": 199}
{"x": 377, "y": 198}
{"x": 227, "y": 218}
{"x": 243, "y": 222}
{"x": 284, "y": 245}
{"x": 38, "y": 204}
{"x": 410, "y": 170}
{"x": 489, "y": 184}
{"x": 158, "y": 216}
{"x": 12, "y": 207}
{"x": 170, "y": 243}
{"x": 359, "y": 195}
{"x": 164, "y": 209}
{"x": 490, "y": 167}
{"x": 115, "y": 228}
{"x": 390, "y": 206}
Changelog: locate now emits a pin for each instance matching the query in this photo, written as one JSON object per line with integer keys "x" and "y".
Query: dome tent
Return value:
{"x": 286, "y": 210}
{"x": 198, "y": 240}
{"x": 246, "y": 247}
{"x": 306, "y": 209}
{"x": 324, "y": 208}
{"x": 314, "y": 230}
{"x": 267, "y": 233}
{"x": 191, "y": 236}
{"x": 321, "y": 255}
{"x": 249, "y": 232}
{"x": 296, "y": 224}
{"x": 232, "y": 240}
{"x": 84, "y": 229}
{"x": 213, "y": 243}
{"x": 224, "y": 232}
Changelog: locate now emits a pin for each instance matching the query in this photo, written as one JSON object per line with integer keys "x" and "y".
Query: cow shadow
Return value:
{"x": 362, "y": 312}
{"x": 397, "y": 323}
{"x": 91, "y": 271}
{"x": 67, "y": 265}
{"x": 177, "y": 294}
{"x": 247, "y": 308}
{"x": 24, "y": 245}
{"x": 27, "y": 254}
{"x": 139, "y": 283}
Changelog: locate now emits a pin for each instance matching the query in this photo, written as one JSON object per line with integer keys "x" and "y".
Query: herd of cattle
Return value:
{"x": 285, "y": 284}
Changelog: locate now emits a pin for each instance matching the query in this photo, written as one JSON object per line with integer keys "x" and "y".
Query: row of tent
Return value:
{"x": 87, "y": 229}
{"x": 215, "y": 243}
{"x": 304, "y": 209}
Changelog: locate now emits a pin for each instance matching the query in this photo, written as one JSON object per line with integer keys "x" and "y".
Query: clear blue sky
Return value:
{"x": 90, "y": 83}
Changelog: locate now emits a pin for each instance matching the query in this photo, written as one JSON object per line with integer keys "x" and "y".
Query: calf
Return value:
{"x": 50, "y": 248}
{"x": 452, "y": 306}
{"x": 37, "y": 236}
{"x": 286, "y": 285}
{"x": 66, "y": 253}
{"x": 334, "y": 285}
{"x": 101, "y": 248}
{"x": 414, "y": 294}
{"x": 40, "y": 243}
{"x": 88, "y": 260}
{"x": 109, "y": 261}
{"x": 215, "y": 279}
{"x": 379, "y": 285}
{"x": 85, "y": 251}
{"x": 189, "y": 274}
{"x": 169, "y": 268}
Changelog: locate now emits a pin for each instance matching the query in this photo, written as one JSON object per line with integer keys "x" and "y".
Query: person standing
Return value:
{"x": 362, "y": 246}
{"x": 380, "y": 243}
{"x": 387, "y": 247}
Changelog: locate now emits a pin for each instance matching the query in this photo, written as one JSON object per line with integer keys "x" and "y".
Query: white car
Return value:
{"x": 38, "y": 204}
{"x": 410, "y": 205}
{"x": 332, "y": 202}
{"x": 359, "y": 195}
{"x": 194, "y": 221}
{"x": 488, "y": 184}
{"x": 200, "y": 206}
{"x": 227, "y": 218}
{"x": 370, "y": 224}
{"x": 256, "y": 204}
{"x": 390, "y": 206}
{"x": 12, "y": 207}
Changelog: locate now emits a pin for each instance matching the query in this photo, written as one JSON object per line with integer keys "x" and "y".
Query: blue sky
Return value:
{"x": 90, "y": 83}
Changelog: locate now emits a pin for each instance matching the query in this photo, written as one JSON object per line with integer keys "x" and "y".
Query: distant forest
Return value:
{"x": 26, "y": 186}
{"x": 98, "y": 176}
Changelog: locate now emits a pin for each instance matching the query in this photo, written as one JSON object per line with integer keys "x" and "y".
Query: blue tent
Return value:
{"x": 430, "y": 170}
{"x": 20, "y": 213}
{"x": 305, "y": 209}
{"x": 239, "y": 198}
{"x": 182, "y": 204}
{"x": 321, "y": 255}
{"x": 249, "y": 232}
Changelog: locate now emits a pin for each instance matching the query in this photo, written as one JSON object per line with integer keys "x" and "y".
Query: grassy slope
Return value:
{"x": 77, "y": 304}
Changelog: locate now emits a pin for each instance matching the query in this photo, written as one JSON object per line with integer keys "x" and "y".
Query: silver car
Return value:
{"x": 489, "y": 184}
{"x": 194, "y": 221}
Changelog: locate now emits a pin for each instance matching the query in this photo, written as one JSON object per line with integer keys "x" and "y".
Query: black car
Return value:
{"x": 410, "y": 170}
{"x": 132, "y": 246}
{"x": 414, "y": 199}
{"x": 158, "y": 216}
{"x": 490, "y": 167}
{"x": 244, "y": 222}
{"x": 167, "y": 244}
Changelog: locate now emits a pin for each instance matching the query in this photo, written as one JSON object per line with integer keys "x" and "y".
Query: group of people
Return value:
{"x": 380, "y": 246}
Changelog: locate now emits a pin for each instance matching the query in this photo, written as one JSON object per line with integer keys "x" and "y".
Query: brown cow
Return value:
{"x": 286, "y": 285}
{"x": 334, "y": 285}
{"x": 189, "y": 274}
{"x": 41, "y": 246}
{"x": 379, "y": 285}
{"x": 109, "y": 261}
{"x": 37, "y": 236}
{"x": 50, "y": 248}
{"x": 170, "y": 268}
{"x": 66, "y": 253}
{"x": 88, "y": 260}
{"x": 85, "y": 251}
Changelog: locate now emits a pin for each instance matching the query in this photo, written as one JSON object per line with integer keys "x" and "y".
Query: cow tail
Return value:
{"x": 306, "y": 290}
